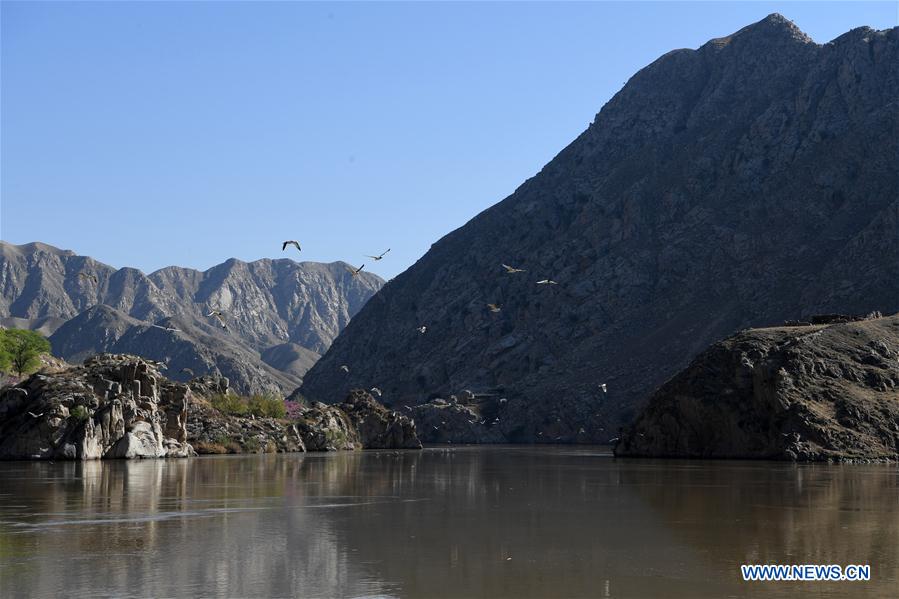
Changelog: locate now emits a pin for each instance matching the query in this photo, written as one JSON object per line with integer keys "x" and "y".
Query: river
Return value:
{"x": 525, "y": 521}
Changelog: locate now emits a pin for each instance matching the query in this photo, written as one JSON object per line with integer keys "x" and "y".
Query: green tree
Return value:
{"x": 23, "y": 349}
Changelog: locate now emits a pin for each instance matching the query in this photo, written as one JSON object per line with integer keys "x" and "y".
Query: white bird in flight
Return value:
{"x": 603, "y": 387}
{"x": 345, "y": 368}
{"x": 218, "y": 316}
{"x": 292, "y": 242}
{"x": 422, "y": 329}
{"x": 493, "y": 307}
{"x": 355, "y": 271}
{"x": 187, "y": 371}
{"x": 512, "y": 270}
{"x": 546, "y": 282}
{"x": 376, "y": 391}
{"x": 33, "y": 415}
{"x": 172, "y": 329}
{"x": 379, "y": 257}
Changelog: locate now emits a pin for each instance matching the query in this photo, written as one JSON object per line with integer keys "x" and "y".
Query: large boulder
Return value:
{"x": 112, "y": 406}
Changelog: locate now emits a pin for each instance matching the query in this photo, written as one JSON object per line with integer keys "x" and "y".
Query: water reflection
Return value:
{"x": 498, "y": 522}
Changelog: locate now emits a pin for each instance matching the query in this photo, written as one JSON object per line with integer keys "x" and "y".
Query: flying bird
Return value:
{"x": 89, "y": 276}
{"x": 158, "y": 364}
{"x": 172, "y": 329}
{"x": 218, "y": 316}
{"x": 376, "y": 391}
{"x": 33, "y": 415}
{"x": 381, "y": 256}
{"x": 546, "y": 282}
{"x": 188, "y": 371}
{"x": 345, "y": 368}
{"x": 512, "y": 270}
{"x": 603, "y": 387}
{"x": 422, "y": 329}
{"x": 355, "y": 271}
{"x": 295, "y": 244}
{"x": 493, "y": 307}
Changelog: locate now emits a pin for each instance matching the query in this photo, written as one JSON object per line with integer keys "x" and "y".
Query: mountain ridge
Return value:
{"x": 735, "y": 185}
{"x": 266, "y": 303}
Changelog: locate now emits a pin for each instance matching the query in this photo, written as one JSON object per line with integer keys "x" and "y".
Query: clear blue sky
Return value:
{"x": 149, "y": 134}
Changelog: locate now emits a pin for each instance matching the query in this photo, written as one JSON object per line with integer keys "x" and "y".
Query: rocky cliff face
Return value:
{"x": 121, "y": 406}
{"x": 288, "y": 311}
{"x": 799, "y": 393}
{"x": 111, "y": 407}
{"x": 739, "y": 184}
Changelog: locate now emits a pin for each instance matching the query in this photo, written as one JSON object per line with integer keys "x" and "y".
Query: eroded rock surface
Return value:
{"x": 112, "y": 406}
{"x": 816, "y": 392}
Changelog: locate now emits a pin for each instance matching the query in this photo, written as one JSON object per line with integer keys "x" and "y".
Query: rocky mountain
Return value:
{"x": 280, "y": 315}
{"x": 800, "y": 393}
{"x": 735, "y": 185}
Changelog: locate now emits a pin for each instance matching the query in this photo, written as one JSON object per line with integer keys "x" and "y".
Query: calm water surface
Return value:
{"x": 463, "y": 522}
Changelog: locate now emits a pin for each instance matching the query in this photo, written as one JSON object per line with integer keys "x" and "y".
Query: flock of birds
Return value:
{"x": 219, "y": 315}
{"x": 492, "y": 307}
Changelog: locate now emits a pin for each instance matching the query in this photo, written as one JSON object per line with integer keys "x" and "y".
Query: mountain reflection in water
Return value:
{"x": 460, "y": 522}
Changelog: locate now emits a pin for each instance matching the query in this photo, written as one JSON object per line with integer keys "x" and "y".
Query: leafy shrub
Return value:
{"x": 229, "y": 404}
{"x": 266, "y": 406}
{"x": 262, "y": 406}
{"x": 79, "y": 413}
{"x": 20, "y": 350}
{"x": 294, "y": 409}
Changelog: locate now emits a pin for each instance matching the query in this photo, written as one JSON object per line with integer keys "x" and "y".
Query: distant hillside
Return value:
{"x": 740, "y": 184}
{"x": 267, "y": 304}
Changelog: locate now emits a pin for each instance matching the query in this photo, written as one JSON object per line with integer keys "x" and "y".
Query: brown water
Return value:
{"x": 467, "y": 522}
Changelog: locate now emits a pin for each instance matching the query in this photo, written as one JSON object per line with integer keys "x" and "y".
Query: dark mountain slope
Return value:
{"x": 739, "y": 184}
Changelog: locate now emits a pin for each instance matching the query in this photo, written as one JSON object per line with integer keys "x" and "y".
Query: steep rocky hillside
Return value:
{"x": 269, "y": 307}
{"x": 800, "y": 393}
{"x": 739, "y": 184}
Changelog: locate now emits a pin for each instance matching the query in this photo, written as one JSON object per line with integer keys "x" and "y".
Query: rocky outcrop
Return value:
{"x": 376, "y": 426}
{"x": 327, "y": 428}
{"x": 121, "y": 406}
{"x": 817, "y": 392}
{"x": 281, "y": 315}
{"x": 746, "y": 182}
{"x": 360, "y": 422}
{"x": 211, "y": 432}
{"x": 110, "y": 407}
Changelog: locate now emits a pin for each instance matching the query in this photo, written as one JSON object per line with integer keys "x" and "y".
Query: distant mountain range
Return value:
{"x": 280, "y": 314}
{"x": 747, "y": 182}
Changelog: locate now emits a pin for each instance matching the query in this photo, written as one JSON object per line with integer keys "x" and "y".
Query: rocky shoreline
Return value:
{"x": 121, "y": 406}
{"x": 827, "y": 392}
